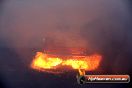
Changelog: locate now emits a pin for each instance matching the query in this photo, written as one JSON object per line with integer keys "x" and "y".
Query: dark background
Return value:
{"x": 28, "y": 26}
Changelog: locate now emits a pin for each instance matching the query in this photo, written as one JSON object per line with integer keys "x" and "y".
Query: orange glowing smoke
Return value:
{"x": 45, "y": 62}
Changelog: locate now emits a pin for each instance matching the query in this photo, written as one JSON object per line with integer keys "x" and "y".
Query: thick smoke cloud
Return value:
{"x": 101, "y": 26}
{"x": 28, "y": 23}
